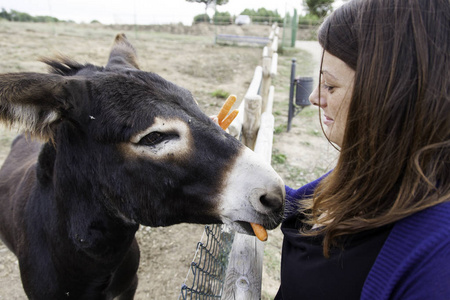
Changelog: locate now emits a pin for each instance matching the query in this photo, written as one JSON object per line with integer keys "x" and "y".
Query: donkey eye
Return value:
{"x": 152, "y": 139}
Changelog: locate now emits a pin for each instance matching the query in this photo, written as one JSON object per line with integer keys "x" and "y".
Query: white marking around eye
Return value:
{"x": 173, "y": 148}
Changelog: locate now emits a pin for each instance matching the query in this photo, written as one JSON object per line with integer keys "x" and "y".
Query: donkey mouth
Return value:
{"x": 241, "y": 227}
{"x": 245, "y": 227}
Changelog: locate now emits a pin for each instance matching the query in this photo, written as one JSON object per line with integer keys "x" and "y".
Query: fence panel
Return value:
{"x": 206, "y": 276}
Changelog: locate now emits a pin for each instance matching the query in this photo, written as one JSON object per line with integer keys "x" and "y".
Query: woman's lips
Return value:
{"x": 327, "y": 120}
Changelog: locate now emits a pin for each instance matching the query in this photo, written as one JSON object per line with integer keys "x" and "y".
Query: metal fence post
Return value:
{"x": 291, "y": 95}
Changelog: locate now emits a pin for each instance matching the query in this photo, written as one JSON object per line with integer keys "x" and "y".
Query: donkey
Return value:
{"x": 107, "y": 149}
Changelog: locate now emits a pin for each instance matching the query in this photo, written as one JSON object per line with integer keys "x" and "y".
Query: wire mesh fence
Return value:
{"x": 206, "y": 275}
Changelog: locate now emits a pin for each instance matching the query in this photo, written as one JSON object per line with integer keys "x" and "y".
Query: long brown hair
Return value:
{"x": 395, "y": 154}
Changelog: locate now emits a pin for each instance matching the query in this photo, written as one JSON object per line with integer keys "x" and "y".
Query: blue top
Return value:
{"x": 413, "y": 263}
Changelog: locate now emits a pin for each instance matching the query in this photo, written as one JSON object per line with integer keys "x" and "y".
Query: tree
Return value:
{"x": 319, "y": 8}
{"x": 263, "y": 15}
{"x": 5, "y": 15}
{"x": 201, "y": 18}
{"x": 209, "y": 2}
{"x": 18, "y": 16}
{"x": 222, "y": 18}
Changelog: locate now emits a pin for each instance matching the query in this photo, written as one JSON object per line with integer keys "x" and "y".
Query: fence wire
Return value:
{"x": 206, "y": 275}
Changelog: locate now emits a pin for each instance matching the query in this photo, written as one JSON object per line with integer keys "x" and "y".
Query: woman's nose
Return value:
{"x": 314, "y": 98}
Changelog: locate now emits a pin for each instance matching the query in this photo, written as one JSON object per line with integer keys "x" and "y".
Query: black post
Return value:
{"x": 291, "y": 96}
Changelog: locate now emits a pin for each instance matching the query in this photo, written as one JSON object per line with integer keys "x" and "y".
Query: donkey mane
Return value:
{"x": 65, "y": 66}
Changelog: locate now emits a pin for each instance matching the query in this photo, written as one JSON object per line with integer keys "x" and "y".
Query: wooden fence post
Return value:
{"x": 253, "y": 90}
{"x": 264, "y": 139}
{"x": 274, "y": 47}
{"x": 244, "y": 273}
{"x": 252, "y": 120}
{"x": 255, "y": 84}
{"x": 235, "y": 127}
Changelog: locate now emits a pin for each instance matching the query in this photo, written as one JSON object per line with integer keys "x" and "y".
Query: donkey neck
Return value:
{"x": 97, "y": 229}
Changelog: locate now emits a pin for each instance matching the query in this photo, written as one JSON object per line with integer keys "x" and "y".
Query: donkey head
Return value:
{"x": 138, "y": 145}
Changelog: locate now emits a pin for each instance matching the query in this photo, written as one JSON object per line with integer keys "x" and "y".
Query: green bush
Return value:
{"x": 309, "y": 20}
{"x": 203, "y": 18}
{"x": 222, "y": 18}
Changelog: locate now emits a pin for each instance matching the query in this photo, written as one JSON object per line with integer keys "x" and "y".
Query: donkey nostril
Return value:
{"x": 271, "y": 201}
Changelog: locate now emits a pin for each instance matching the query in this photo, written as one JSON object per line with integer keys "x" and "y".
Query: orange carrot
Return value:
{"x": 259, "y": 231}
{"x": 226, "y": 107}
{"x": 227, "y": 121}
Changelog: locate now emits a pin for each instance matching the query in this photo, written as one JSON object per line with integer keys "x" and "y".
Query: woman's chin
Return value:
{"x": 333, "y": 137}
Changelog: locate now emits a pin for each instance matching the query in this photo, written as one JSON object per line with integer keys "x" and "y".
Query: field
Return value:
{"x": 188, "y": 57}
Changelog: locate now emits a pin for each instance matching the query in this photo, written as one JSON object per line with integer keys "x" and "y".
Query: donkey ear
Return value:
{"x": 123, "y": 54}
{"x": 35, "y": 102}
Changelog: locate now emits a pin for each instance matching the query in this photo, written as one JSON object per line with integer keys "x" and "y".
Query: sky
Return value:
{"x": 139, "y": 11}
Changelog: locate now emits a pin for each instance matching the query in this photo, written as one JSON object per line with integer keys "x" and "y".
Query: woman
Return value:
{"x": 378, "y": 225}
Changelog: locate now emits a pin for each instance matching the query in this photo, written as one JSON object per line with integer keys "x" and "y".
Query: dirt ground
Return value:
{"x": 188, "y": 57}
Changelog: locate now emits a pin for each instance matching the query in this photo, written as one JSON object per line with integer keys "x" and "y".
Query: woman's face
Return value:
{"x": 336, "y": 89}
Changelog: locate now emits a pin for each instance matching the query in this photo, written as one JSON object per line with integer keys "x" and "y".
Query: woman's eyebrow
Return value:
{"x": 329, "y": 74}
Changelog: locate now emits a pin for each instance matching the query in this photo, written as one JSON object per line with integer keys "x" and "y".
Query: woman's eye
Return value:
{"x": 329, "y": 88}
{"x": 152, "y": 139}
